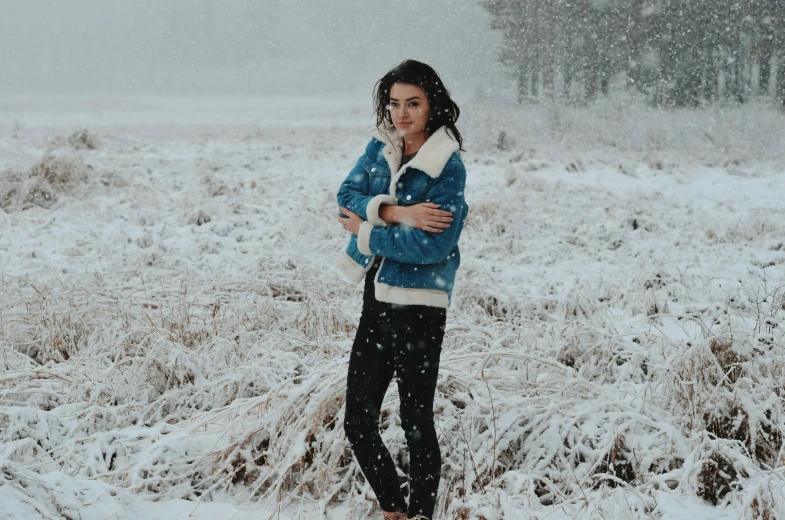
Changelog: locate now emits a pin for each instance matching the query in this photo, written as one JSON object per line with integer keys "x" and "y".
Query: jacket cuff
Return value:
{"x": 364, "y": 238}
{"x": 372, "y": 210}
{"x": 353, "y": 271}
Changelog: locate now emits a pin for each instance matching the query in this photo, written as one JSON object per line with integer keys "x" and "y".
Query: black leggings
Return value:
{"x": 406, "y": 339}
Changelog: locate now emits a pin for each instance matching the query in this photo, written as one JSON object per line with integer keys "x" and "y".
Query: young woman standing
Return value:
{"x": 403, "y": 204}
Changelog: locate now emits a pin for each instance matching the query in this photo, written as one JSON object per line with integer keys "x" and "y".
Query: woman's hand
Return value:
{"x": 426, "y": 216}
{"x": 351, "y": 222}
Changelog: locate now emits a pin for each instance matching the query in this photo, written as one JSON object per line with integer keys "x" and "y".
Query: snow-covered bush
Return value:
{"x": 83, "y": 140}
{"x": 55, "y": 174}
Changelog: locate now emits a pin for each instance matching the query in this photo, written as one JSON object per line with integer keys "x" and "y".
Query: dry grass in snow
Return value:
{"x": 170, "y": 327}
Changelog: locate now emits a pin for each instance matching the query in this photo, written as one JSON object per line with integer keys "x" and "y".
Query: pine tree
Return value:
{"x": 680, "y": 53}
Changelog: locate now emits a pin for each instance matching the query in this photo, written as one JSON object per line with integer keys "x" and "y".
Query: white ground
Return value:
{"x": 189, "y": 257}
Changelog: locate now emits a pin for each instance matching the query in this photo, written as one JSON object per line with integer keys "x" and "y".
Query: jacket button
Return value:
{"x": 373, "y": 169}
{"x": 408, "y": 197}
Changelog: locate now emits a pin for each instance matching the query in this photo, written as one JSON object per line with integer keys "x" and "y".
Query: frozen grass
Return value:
{"x": 173, "y": 329}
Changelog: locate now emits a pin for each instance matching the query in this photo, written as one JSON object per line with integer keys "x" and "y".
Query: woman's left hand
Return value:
{"x": 351, "y": 222}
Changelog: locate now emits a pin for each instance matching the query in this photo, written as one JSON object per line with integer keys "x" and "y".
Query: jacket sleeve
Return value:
{"x": 354, "y": 193}
{"x": 413, "y": 245}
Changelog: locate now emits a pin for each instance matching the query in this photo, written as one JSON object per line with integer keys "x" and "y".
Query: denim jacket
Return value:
{"x": 418, "y": 267}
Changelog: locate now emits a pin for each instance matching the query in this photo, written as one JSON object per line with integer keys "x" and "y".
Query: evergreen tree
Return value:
{"x": 681, "y": 53}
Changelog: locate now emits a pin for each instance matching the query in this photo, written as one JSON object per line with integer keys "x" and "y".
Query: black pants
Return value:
{"x": 406, "y": 339}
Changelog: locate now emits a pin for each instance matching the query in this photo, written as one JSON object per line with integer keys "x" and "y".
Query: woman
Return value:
{"x": 403, "y": 204}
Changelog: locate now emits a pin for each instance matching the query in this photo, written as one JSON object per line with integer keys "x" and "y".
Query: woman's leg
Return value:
{"x": 371, "y": 367}
{"x": 417, "y": 352}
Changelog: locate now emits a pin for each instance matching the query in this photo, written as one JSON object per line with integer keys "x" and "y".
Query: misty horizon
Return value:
{"x": 242, "y": 47}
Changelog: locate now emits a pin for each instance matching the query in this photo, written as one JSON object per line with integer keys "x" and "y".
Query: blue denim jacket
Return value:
{"x": 418, "y": 267}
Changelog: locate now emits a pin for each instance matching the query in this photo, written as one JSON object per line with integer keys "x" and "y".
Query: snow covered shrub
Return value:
{"x": 320, "y": 317}
{"x": 727, "y": 384}
{"x": 576, "y": 305}
{"x": 616, "y": 466}
{"x": 33, "y": 496}
{"x": 198, "y": 217}
{"x": 62, "y": 173}
{"x": 53, "y": 175}
{"x": 715, "y": 469}
{"x": 497, "y": 234}
{"x": 615, "y": 503}
{"x": 21, "y": 191}
{"x": 489, "y": 300}
{"x": 579, "y": 322}
{"x": 503, "y": 142}
{"x": 82, "y": 139}
{"x": 215, "y": 188}
{"x": 565, "y": 433}
{"x": 725, "y": 387}
{"x": 156, "y": 364}
{"x": 744, "y": 413}
{"x": 51, "y": 327}
{"x": 39, "y": 194}
{"x": 9, "y": 187}
{"x": 652, "y": 294}
{"x": 758, "y": 227}
{"x": 764, "y": 499}
{"x": 494, "y": 308}
{"x": 291, "y": 440}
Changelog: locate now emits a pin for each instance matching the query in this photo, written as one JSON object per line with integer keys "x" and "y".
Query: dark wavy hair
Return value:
{"x": 443, "y": 110}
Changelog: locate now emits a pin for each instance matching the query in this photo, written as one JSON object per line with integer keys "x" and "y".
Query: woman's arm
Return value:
{"x": 353, "y": 193}
{"x": 413, "y": 245}
{"x": 425, "y": 215}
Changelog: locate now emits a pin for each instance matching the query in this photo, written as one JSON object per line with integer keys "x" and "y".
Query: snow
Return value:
{"x": 171, "y": 328}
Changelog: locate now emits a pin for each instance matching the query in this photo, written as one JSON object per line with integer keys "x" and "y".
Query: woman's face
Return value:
{"x": 409, "y": 109}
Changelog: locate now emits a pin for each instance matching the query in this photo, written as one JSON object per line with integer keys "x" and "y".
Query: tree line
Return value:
{"x": 677, "y": 52}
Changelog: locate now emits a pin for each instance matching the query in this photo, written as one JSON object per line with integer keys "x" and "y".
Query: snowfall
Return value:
{"x": 174, "y": 336}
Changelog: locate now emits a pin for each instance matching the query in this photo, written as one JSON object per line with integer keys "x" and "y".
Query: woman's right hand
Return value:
{"x": 426, "y": 216}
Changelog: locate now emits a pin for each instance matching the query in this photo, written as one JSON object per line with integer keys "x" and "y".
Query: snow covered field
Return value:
{"x": 174, "y": 339}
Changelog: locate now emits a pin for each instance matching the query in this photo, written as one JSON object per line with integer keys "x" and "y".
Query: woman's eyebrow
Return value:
{"x": 411, "y": 98}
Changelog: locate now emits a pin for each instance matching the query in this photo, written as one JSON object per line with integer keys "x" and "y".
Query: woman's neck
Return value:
{"x": 413, "y": 143}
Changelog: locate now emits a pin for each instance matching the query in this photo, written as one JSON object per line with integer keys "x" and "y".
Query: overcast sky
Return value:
{"x": 241, "y": 46}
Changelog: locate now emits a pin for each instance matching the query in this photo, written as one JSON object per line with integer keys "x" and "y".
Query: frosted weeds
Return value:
{"x": 614, "y": 344}
{"x": 54, "y": 174}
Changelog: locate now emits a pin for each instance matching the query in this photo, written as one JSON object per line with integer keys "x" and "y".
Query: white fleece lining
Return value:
{"x": 364, "y": 238}
{"x": 431, "y": 157}
{"x": 372, "y": 210}
{"x": 403, "y": 296}
{"x": 392, "y": 152}
{"x": 353, "y": 271}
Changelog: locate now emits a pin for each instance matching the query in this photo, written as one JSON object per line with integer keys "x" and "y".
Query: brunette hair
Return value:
{"x": 443, "y": 110}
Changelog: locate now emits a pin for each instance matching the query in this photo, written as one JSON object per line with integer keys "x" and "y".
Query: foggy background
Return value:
{"x": 243, "y": 46}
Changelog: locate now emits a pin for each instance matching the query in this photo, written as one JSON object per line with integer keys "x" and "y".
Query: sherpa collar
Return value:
{"x": 431, "y": 157}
